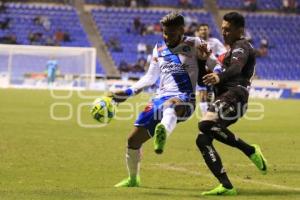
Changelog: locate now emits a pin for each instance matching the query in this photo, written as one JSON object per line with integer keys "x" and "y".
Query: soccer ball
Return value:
{"x": 103, "y": 110}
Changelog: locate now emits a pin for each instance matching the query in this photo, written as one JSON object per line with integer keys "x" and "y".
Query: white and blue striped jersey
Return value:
{"x": 177, "y": 68}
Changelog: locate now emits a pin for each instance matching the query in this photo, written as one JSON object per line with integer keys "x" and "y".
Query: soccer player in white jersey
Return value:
{"x": 218, "y": 49}
{"x": 174, "y": 61}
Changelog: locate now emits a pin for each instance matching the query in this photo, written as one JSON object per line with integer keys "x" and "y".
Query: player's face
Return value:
{"x": 230, "y": 32}
{"x": 173, "y": 35}
{"x": 203, "y": 32}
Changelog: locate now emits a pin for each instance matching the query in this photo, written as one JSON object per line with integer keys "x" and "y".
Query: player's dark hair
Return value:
{"x": 172, "y": 19}
{"x": 235, "y": 18}
{"x": 203, "y": 24}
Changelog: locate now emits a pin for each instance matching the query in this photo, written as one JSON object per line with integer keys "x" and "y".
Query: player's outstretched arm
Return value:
{"x": 147, "y": 80}
{"x": 122, "y": 95}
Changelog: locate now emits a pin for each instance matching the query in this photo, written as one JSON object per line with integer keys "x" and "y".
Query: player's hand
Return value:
{"x": 118, "y": 96}
{"x": 203, "y": 52}
{"x": 211, "y": 79}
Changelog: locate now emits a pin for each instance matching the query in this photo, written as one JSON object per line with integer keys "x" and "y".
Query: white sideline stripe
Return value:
{"x": 185, "y": 170}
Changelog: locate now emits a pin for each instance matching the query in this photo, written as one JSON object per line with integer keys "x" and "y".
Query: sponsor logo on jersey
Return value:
{"x": 238, "y": 50}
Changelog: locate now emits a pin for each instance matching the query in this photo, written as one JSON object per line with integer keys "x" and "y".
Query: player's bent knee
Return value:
{"x": 205, "y": 126}
{"x": 203, "y": 140}
{"x": 137, "y": 138}
{"x": 133, "y": 142}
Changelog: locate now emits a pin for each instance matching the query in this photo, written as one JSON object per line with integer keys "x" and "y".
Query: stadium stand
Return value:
{"x": 60, "y": 17}
{"x": 281, "y": 62}
{"x": 117, "y": 22}
{"x": 23, "y": 22}
{"x": 165, "y": 3}
{"x": 262, "y": 4}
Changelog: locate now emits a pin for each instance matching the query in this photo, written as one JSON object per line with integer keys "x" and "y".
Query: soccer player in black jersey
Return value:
{"x": 231, "y": 91}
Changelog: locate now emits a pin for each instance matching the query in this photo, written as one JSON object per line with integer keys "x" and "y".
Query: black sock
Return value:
{"x": 225, "y": 136}
{"x": 212, "y": 159}
{"x": 225, "y": 181}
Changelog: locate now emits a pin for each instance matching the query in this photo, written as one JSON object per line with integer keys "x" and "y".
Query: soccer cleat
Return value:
{"x": 259, "y": 160}
{"x": 160, "y": 137}
{"x": 129, "y": 182}
{"x": 221, "y": 190}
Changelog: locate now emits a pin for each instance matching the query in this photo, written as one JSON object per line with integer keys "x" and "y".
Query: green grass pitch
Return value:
{"x": 42, "y": 158}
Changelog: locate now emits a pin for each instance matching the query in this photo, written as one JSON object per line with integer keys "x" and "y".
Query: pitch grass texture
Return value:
{"x": 41, "y": 158}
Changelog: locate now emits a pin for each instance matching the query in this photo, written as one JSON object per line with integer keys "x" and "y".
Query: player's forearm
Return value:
{"x": 144, "y": 82}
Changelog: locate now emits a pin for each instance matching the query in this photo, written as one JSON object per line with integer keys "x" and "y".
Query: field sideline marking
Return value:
{"x": 185, "y": 170}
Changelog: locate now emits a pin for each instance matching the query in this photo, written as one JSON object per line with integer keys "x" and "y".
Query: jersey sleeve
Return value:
{"x": 220, "y": 48}
{"x": 152, "y": 74}
{"x": 197, "y": 43}
{"x": 238, "y": 60}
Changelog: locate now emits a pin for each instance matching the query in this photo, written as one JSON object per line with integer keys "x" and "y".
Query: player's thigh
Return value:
{"x": 181, "y": 107}
{"x": 210, "y": 116}
{"x": 137, "y": 137}
{"x": 176, "y": 103}
{"x": 225, "y": 109}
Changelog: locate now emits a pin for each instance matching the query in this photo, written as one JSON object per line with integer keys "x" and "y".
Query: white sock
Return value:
{"x": 203, "y": 107}
{"x": 133, "y": 160}
{"x": 169, "y": 120}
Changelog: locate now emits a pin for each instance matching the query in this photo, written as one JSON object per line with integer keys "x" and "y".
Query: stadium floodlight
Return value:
{"x": 26, "y": 66}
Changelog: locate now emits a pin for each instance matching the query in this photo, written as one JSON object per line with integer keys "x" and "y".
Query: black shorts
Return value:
{"x": 230, "y": 105}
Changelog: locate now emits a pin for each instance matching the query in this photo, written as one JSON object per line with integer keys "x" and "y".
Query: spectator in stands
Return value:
{"x": 59, "y": 36}
{"x": 5, "y": 24}
{"x": 43, "y": 21}
{"x": 157, "y": 28}
{"x": 108, "y": 3}
{"x": 133, "y": 3}
{"x": 263, "y": 48}
{"x": 9, "y": 39}
{"x": 289, "y": 6}
{"x": 143, "y": 3}
{"x": 114, "y": 44}
{"x": 190, "y": 30}
{"x": 250, "y": 5}
{"x": 142, "y": 50}
{"x": 2, "y": 6}
{"x": 67, "y": 37}
{"x": 137, "y": 24}
{"x": 185, "y": 4}
{"x": 36, "y": 38}
{"x": 153, "y": 29}
{"x": 138, "y": 27}
{"x": 124, "y": 67}
{"x": 191, "y": 24}
{"x": 119, "y": 3}
{"x": 139, "y": 67}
